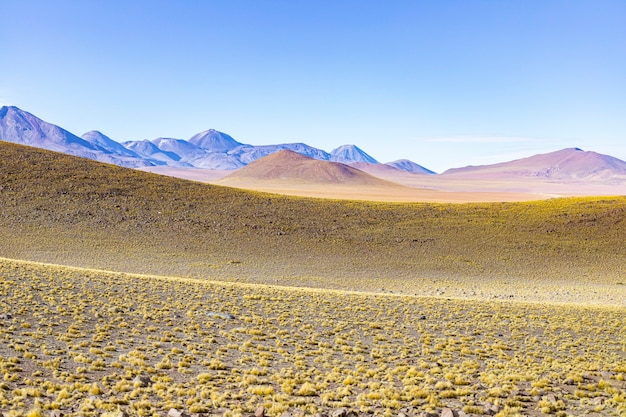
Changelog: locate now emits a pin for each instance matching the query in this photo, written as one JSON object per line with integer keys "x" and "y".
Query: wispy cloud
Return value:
{"x": 482, "y": 139}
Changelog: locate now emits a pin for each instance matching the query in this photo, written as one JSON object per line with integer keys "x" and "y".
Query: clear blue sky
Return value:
{"x": 443, "y": 83}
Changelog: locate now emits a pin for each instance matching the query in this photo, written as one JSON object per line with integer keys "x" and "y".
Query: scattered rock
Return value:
{"x": 175, "y": 413}
{"x": 142, "y": 381}
{"x": 340, "y": 412}
{"x": 225, "y": 316}
{"x": 597, "y": 401}
{"x": 447, "y": 412}
{"x": 6, "y": 316}
{"x": 259, "y": 412}
{"x": 54, "y": 413}
{"x": 409, "y": 411}
{"x": 492, "y": 409}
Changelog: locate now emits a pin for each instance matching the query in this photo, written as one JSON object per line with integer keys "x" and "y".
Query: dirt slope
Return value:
{"x": 67, "y": 210}
{"x": 288, "y": 166}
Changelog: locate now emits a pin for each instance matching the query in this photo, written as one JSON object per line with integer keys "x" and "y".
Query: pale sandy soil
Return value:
{"x": 395, "y": 194}
{"x": 510, "y": 185}
{"x": 472, "y": 183}
{"x": 417, "y": 187}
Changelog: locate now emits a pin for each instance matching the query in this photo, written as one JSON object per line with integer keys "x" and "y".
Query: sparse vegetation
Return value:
{"x": 302, "y": 350}
{"x": 71, "y": 211}
{"x": 200, "y": 330}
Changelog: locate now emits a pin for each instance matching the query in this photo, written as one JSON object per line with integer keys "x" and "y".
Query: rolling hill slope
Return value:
{"x": 563, "y": 165}
{"x": 67, "y": 210}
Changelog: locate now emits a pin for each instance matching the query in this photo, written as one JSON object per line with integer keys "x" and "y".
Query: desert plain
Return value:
{"x": 130, "y": 293}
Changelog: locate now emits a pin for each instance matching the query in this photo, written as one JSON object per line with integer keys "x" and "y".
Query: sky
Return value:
{"x": 443, "y": 83}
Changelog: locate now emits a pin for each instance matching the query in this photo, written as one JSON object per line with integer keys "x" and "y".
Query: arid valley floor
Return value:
{"x": 129, "y": 292}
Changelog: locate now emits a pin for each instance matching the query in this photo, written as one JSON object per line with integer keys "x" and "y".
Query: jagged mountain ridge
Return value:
{"x": 210, "y": 149}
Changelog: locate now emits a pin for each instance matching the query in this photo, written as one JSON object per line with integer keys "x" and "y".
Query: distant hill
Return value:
{"x": 388, "y": 171}
{"x": 216, "y": 150}
{"x": 289, "y": 166}
{"x": 409, "y": 166}
{"x": 210, "y": 149}
{"x": 247, "y": 154}
{"x": 21, "y": 127}
{"x": 100, "y": 140}
{"x": 349, "y": 154}
{"x": 67, "y": 210}
{"x": 185, "y": 150}
{"x": 214, "y": 141}
{"x": 563, "y": 165}
{"x": 155, "y": 155}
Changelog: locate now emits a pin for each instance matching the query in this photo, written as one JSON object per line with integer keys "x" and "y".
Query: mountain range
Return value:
{"x": 210, "y": 149}
{"x": 214, "y": 150}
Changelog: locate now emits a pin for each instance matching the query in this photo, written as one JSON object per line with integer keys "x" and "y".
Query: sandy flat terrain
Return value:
{"x": 508, "y": 185}
{"x": 294, "y": 174}
{"x": 390, "y": 194}
{"x": 414, "y": 187}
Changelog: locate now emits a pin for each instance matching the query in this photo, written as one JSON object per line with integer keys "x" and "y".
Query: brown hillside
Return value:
{"x": 289, "y": 166}
{"x": 67, "y": 210}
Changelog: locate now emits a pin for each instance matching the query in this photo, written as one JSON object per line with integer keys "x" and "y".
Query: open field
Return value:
{"x": 87, "y": 342}
{"x": 401, "y": 194}
{"x": 448, "y": 188}
{"x": 483, "y": 308}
